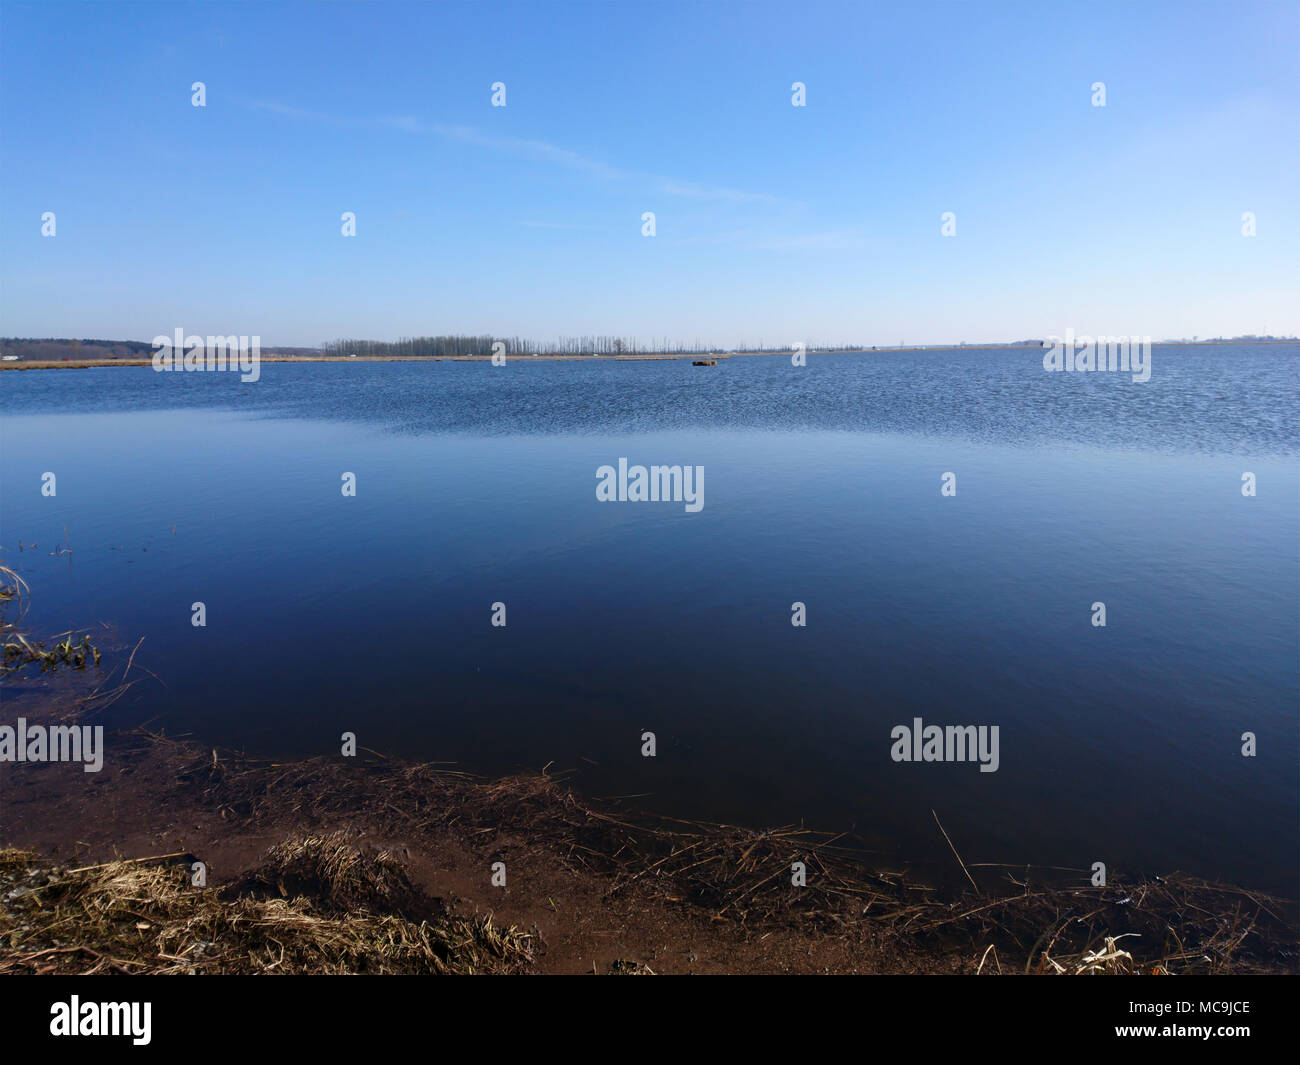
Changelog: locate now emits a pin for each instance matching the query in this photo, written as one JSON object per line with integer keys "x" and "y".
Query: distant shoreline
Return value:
{"x": 87, "y": 364}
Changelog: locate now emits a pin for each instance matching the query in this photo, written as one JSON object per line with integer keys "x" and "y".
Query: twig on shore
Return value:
{"x": 955, "y": 854}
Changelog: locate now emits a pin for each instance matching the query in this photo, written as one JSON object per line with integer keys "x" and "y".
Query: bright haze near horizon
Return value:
{"x": 774, "y": 223}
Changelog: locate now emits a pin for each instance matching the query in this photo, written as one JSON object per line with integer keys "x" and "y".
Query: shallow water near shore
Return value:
{"x": 476, "y": 485}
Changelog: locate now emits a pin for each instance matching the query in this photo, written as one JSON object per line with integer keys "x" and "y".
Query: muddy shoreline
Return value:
{"x": 588, "y": 887}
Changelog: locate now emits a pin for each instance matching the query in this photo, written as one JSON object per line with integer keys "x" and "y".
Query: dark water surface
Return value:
{"x": 477, "y": 484}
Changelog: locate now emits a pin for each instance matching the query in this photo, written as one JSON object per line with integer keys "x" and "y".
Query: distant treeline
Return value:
{"x": 417, "y": 347}
{"x": 60, "y": 349}
{"x": 424, "y": 347}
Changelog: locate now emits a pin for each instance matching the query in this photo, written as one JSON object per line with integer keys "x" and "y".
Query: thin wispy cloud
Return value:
{"x": 285, "y": 111}
{"x": 756, "y": 239}
{"x": 828, "y": 240}
{"x": 537, "y": 150}
{"x": 540, "y": 151}
{"x": 694, "y": 191}
{"x": 529, "y": 224}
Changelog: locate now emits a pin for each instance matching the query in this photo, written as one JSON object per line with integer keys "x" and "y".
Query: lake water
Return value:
{"x": 477, "y": 485}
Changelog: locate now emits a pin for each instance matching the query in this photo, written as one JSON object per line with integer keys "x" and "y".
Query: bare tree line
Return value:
{"x": 424, "y": 347}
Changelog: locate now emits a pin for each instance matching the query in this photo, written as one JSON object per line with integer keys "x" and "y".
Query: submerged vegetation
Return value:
{"x": 322, "y": 901}
{"x": 19, "y": 650}
{"x": 740, "y": 879}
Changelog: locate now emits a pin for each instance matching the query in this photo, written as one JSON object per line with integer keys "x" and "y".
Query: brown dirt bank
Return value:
{"x": 368, "y": 864}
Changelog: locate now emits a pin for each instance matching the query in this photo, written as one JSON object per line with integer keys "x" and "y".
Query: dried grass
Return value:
{"x": 742, "y": 877}
{"x": 316, "y": 905}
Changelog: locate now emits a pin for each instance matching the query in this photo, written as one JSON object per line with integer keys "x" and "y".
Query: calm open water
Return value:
{"x": 476, "y": 485}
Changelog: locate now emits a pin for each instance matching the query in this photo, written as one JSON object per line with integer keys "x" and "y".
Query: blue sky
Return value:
{"x": 774, "y": 223}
